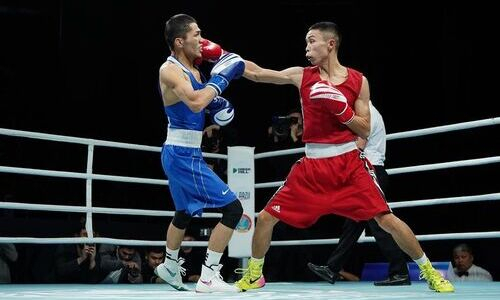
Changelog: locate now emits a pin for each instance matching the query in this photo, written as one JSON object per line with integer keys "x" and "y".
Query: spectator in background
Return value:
{"x": 153, "y": 258}
{"x": 464, "y": 268}
{"x": 78, "y": 263}
{"x": 8, "y": 255}
{"x": 122, "y": 264}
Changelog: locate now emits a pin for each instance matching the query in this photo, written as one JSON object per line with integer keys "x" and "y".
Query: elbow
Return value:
{"x": 196, "y": 107}
{"x": 196, "y": 104}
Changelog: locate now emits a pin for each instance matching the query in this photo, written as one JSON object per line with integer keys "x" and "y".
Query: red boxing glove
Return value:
{"x": 211, "y": 51}
{"x": 324, "y": 90}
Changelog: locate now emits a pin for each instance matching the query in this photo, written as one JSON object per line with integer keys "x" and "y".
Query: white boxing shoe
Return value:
{"x": 215, "y": 283}
{"x": 170, "y": 271}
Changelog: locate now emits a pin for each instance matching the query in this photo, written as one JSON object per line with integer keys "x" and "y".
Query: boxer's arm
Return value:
{"x": 181, "y": 89}
{"x": 360, "y": 124}
{"x": 256, "y": 73}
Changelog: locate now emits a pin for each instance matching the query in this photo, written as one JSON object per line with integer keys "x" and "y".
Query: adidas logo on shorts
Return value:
{"x": 276, "y": 208}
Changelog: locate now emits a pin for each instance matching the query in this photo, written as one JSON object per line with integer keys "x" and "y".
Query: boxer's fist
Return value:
{"x": 230, "y": 66}
{"x": 221, "y": 111}
{"x": 337, "y": 102}
{"x": 211, "y": 51}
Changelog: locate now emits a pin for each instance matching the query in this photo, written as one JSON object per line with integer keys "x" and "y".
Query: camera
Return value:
{"x": 281, "y": 125}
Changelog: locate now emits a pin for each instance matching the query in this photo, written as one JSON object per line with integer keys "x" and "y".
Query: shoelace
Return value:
{"x": 181, "y": 261}
{"x": 217, "y": 272}
{"x": 433, "y": 276}
{"x": 240, "y": 270}
{"x": 247, "y": 273}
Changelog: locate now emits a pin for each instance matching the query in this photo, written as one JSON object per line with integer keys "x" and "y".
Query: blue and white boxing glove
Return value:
{"x": 221, "y": 111}
{"x": 230, "y": 66}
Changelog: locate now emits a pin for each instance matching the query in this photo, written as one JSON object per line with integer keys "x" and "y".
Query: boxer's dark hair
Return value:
{"x": 177, "y": 27}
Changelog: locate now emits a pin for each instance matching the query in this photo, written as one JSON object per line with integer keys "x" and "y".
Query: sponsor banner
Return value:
{"x": 241, "y": 180}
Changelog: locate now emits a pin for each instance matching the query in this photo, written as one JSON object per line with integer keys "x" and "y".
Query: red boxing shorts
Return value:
{"x": 344, "y": 185}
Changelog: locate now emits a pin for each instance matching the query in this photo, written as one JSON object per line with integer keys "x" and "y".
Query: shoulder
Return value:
{"x": 479, "y": 269}
{"x": 354, "y": 72}
{"x": 168, "y": 67}
{"x": 170, "y": 72}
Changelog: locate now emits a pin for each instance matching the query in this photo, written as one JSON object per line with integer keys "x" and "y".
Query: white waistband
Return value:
{"x": 184, "y": 137}
{"x": 314, "y": 150}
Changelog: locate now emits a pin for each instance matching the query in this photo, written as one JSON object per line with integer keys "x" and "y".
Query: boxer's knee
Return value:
{"x": 181, "y": 220}
{"x": 266, "y": 219}
{"x": 387, "y": 221}
{"x": 231, "y": 214}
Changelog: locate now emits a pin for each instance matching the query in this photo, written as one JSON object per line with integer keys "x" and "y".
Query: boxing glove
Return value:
{"x": 211, "y": 51}
{"x": 324, "y": 90}
{"x": 221, "y": 111}
{"x": 230, "y": 66}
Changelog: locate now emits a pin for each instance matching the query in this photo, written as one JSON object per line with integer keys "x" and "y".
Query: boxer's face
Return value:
{"x": 191, "y": 43}
{"x": 317, "y": 47}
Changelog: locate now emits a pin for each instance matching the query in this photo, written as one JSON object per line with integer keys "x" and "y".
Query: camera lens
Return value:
{"x": 281, "y": 126}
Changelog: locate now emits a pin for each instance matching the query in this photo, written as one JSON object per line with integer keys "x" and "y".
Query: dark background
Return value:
{"x": 90, "y": 69}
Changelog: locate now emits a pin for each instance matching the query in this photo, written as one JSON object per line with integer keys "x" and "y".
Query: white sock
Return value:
{"x": 172, "y": 254}
{"x": 421, "y": 261}
{"x": 212, "y": 258}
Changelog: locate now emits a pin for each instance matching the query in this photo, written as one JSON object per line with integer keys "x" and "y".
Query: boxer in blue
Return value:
{"x": 193, "y": 185}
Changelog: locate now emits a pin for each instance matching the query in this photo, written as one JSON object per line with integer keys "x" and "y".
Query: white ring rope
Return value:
{"x": 50, "y": 173}
{"x": 77, "y": 240}
{"x": 160, "y": 213}
{"x": 400, "y": 135}
{"x": 89, "y": 176}
{"x": 98, "y": 240}
{"x": 446, "y": 165}
{"x": 419, "y": 168}
{"x": 438, "y": 201}
{"x": 444, "y": 128}
{"x": 84, "y": 141}
{"x": 370, "y": 239}
{"x": 97, "y": 210}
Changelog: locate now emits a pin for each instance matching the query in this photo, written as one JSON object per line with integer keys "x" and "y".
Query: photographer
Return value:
{"x": 286, "y": 131}
{"x": 121, "y": 263}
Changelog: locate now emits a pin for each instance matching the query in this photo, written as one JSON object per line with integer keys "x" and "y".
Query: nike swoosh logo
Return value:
{"x": 253, "y": 281}
{"x": 209, "y": 283}
{"x": 225, "y": 192}
{"x": 170, "y": 272}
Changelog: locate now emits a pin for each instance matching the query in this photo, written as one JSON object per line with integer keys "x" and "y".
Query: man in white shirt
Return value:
{"x": 465, "y": 269}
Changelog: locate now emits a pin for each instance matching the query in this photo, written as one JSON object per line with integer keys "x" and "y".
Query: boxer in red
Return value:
{"x": 334, "y": 177}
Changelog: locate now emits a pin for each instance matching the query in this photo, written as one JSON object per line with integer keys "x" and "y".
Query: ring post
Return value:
{"x": 241, "y": 180}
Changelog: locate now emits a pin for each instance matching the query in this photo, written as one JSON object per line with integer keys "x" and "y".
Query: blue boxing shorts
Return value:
{"x": 193, "y": 185}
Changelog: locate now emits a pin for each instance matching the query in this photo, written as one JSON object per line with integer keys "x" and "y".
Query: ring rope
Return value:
{"x": 89, "y": 176}
{"x": 97, "y": 210}
{"x": 77, "y": 240}
{"x": 404, "y": 134}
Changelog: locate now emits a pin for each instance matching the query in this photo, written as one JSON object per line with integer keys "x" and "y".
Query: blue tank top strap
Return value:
{"x": 175, "y": 61}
